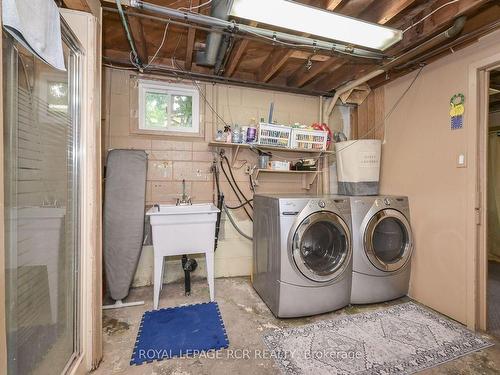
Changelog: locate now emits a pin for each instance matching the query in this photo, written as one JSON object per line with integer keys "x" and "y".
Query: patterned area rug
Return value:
{"x": 401, "y": 339}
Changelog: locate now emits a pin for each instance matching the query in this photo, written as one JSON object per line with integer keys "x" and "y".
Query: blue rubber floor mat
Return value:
{"x": 179, "y": 331}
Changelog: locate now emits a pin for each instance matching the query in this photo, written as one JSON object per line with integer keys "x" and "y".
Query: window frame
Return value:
{"x": 168, "y": 89}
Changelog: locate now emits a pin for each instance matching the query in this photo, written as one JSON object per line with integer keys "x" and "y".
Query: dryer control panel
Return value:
{"x": 341, "y": 205}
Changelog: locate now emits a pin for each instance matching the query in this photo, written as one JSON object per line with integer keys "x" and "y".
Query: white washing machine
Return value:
{"x": 302, "y": 255}
{"x": 382, "y": 248}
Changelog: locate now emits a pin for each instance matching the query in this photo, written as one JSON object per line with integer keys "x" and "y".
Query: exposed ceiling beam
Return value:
{"x": 353, "y": 8}
{"x": 137, "y": 30}
{"x": 303, "y": 55}
{"x": 89, "y": 6}
{"x": 236, "y": 54}
{"x": 438, "y": 21}
{"x": 383, "y": 11}
{"x": 276, "y": 59}
{"x": 191, "y": 37}
{"x": 481, "y": 23}
{"x": 415, "y": 36}
{"x": 235, "y": 57}
{"x": 344, "y": 73}
{"x": 332, "y": 4}
{"x": 303, "y": 75}
{"x": 163, "y": 67}
{"x": 190, "y": 48}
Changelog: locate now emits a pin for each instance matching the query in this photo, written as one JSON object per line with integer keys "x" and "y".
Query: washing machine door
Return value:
{"x": 321, "y": 247}
{"x": 388, "y": 240}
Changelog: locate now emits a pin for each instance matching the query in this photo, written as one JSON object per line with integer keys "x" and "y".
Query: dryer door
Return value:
{"x": 388, "y": 240}
{"x": 321, "y": 247}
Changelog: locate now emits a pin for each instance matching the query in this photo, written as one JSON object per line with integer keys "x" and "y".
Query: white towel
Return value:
{"x": 36, "y": 25}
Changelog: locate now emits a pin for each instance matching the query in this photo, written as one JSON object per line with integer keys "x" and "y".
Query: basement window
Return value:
{"x": 168, "y": 108}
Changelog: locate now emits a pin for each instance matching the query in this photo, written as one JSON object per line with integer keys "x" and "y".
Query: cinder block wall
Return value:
{"x": 172, "y": 159}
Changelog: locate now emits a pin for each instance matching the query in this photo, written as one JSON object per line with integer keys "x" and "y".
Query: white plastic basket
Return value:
{"x": 305, "y": 139}
{"x": 274, "y": 135}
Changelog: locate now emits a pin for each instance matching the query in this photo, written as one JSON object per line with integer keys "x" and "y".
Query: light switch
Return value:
{"x": 461, "y": 161}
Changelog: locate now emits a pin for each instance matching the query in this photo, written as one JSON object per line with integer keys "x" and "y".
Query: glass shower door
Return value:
{"x": 41, "y": 210}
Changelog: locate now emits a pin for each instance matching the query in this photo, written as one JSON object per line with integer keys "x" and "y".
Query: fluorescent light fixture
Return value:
{"x": 315, "y": 21}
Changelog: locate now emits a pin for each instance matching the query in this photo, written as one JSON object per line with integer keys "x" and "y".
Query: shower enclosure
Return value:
{"x": 41, "y": 161}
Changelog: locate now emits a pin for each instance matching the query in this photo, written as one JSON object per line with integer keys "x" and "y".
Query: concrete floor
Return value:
{"x": 246, "y": 318}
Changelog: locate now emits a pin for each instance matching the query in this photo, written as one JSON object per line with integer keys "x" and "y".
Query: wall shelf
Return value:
{"x": 239, "y": 146}
{"x": 308, "y": 177}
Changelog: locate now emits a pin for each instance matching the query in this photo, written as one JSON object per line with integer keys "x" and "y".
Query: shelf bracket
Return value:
{"x": 256, "y": 176}
{"x": 308, "y": 179}
{"x": 234, "y": 159}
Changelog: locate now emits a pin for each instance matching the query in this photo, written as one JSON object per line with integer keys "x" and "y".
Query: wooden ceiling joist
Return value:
{"x": 430, "y": 26}
{"x": 353, "y": 8}
{"x": 137, "y": 29}
{"x": 331, "y": 5}
{"x": 273, "y": 64}
{"x": 436, "y": 22}
{"x": 382, "y": 12}
{"x": 303, "y": 76}
{"x": 190, "y": 40}
{"x": 257, "y": 62}
{"x": 236, "y": 55}
{"x": 90, "y": 6}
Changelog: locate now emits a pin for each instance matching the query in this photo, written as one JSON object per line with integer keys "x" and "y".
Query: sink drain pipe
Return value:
{"x": 188, "y": 265}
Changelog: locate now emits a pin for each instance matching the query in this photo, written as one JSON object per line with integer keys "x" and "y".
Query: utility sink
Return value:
{"x": 179, "y": 230}
{"x": 166, "y": 209}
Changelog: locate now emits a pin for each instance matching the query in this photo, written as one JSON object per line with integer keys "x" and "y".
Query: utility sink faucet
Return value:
{"x": 185, "y": 199}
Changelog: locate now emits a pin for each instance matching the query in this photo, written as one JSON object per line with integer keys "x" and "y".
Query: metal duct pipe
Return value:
{"x": 276, "y": 36}
{"x": 209, "y": 56}
{"x": 127, "y": 33}
{"x": 449, "y": 33}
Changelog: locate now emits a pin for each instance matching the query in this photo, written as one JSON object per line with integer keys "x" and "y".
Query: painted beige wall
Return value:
{"x": 172, "y": 159}
{"x": 419, "y": 159}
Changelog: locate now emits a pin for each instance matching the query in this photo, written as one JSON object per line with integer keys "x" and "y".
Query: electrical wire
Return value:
{"x": 430, "y": 14}
{"x": 226, "y": 210}
{"x": 174, "y": 61}
{"x": 195, "y": 7}
{"x": 141, "y": 68}
{"x": 118, "y": 67}
{"x": 386, "y": 117}
{"x": 165, "y": 33}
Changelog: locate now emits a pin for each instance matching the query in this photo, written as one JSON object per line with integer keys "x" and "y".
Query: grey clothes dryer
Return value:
{"x": 302, "y": 254}
{"x": 382, "y": 248}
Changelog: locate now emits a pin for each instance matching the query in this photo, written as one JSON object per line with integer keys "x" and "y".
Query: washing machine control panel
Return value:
{"x": 341, "y": 205}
